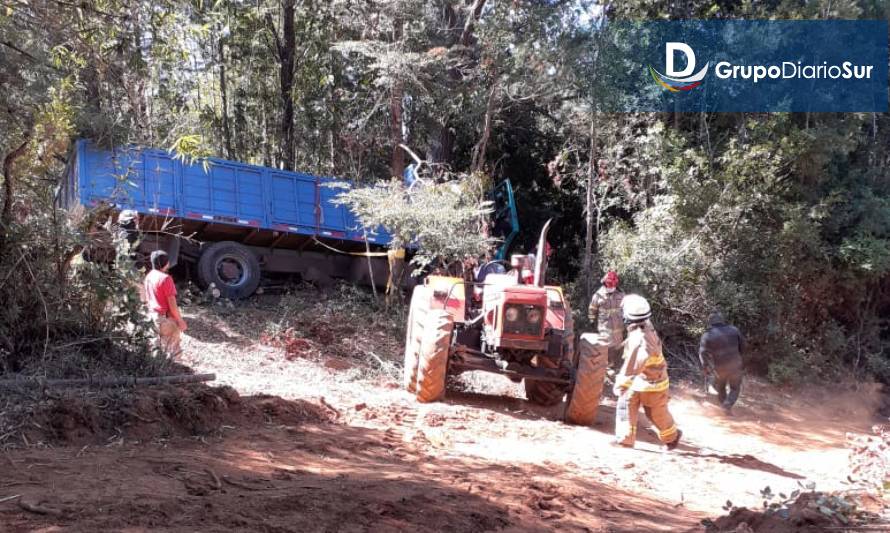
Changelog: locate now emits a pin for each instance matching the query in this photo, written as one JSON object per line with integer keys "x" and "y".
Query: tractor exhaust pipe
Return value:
{"x": 541, "y": 256}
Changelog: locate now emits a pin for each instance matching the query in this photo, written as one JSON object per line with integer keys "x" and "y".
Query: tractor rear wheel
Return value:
{"x": 432, "y": 366}
{"x": 413, "y": 335}
{"x": 590, "y": 375}
{"x": 544, "y": 392}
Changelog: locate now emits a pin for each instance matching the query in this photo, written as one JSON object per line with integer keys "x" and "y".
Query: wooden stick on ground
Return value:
{"x": 329, "y": 406}
{"x": 137, "y": 416}
{"x": 39, "y": 509}
{"x": 18, "y": 483}
{"x": 244, "y": 486}
{"x": 6, "y": 499}
{"x": 864, "y": 527}
{"x": 216, "y": 483}
{"x": 126, "y": 381}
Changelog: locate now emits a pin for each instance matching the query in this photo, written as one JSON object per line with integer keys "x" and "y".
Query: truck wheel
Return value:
{"x": 432, "y": 364}
{"x": 413, "y": 335}
{"x": 231, "y": 267}
{"x": 590, "y": 374}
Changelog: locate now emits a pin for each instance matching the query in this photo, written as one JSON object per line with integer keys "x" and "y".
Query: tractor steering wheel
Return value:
{"x": 485, "y": 269}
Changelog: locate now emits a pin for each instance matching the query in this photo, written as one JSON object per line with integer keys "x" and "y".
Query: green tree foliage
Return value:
{"x": 783, "y": 231}
{"x": 443, "y": 221}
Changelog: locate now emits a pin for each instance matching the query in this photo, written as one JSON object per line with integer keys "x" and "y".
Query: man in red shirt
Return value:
{"x": 160, "y": 296}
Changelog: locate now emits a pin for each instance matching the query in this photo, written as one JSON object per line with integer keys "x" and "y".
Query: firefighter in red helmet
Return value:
{"x": 605, "y": 313}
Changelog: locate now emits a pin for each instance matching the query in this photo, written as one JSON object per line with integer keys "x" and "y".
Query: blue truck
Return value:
{"x": 231, "y": 223}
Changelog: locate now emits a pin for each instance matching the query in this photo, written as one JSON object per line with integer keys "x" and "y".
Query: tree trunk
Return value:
{"x": 475, "y": 13}
{"x": 441, "y": 145}
{"x": 227, "y": 134}
{"x": 442, "y": 137}
{"x": 481, "y": 147}
{"x": 141, "y": 79}
{"x": 9, "y": 189}
{"x": 267, "y": 150}
{"x": 397, "y": 163}
{"x": 286, "y": 52}
{"x": 332, "y": 104}
{"x": 588, "y": 237}
{"x": 9, "y": 181}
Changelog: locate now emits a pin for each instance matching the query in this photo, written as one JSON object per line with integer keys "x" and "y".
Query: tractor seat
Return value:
{"x": 488, "y": 269}
{"x": 501, "y": 279}
{"x": 486, "y": 273}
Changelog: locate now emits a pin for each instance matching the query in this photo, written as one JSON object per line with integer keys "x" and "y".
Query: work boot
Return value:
{"x": 676, "y": 442}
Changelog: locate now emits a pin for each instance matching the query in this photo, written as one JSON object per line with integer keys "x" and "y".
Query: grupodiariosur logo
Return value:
{"x": 682, "y": 80}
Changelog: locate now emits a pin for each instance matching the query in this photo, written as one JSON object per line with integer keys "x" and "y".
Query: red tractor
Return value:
{"x": 509, "y": 323}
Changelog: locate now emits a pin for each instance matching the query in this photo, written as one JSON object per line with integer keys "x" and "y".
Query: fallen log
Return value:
{"x": 127, "y": 381}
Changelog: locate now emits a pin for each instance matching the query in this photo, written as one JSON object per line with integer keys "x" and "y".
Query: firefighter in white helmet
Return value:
{"x": 643, "y": 379}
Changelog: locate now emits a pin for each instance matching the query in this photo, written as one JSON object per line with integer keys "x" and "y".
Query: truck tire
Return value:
{"x": 432, "y": 366}
{"x": 590, "y": 375}
{"x": 231, "y": 268}
{"x": 413, "y": 336}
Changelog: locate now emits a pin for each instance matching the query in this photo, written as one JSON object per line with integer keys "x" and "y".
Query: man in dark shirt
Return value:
{"x": 720, "y": 352}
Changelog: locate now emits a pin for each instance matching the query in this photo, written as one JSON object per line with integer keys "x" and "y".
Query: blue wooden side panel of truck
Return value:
{"x": 154, "y": 182}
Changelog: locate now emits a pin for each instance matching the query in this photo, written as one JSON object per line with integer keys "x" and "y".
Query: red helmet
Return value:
{"x": 611, "y": 280}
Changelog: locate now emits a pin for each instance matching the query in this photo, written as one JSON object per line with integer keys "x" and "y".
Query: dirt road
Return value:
{"x": 482, "y": 460}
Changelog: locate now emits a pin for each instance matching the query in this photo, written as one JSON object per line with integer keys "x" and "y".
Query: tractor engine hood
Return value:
{"x": 516, "y": 317}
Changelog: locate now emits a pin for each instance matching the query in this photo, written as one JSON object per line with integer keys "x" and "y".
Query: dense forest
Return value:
{"x": 780, "y": 220}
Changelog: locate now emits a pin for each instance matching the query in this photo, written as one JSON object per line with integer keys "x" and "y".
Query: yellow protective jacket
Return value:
{"x": 644, "y": 368}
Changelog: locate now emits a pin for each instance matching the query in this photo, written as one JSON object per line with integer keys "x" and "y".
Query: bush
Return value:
{"x": 752, "y": 238}
{"x": 64, "y": 315}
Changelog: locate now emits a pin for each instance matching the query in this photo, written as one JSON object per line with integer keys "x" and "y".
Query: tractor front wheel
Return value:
{"x": 413, "y": 334}
{"x": 544, "y": 392}
{"x": 590, "y": 375}
{"x": 432, "y": 366}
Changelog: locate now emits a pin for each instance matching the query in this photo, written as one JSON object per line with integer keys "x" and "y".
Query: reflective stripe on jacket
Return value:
{"x": 644, "y": 368}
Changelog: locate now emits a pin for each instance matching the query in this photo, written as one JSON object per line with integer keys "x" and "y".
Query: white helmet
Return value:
{"x": 635, "y": 308}
{"x": 126, "y": 216}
